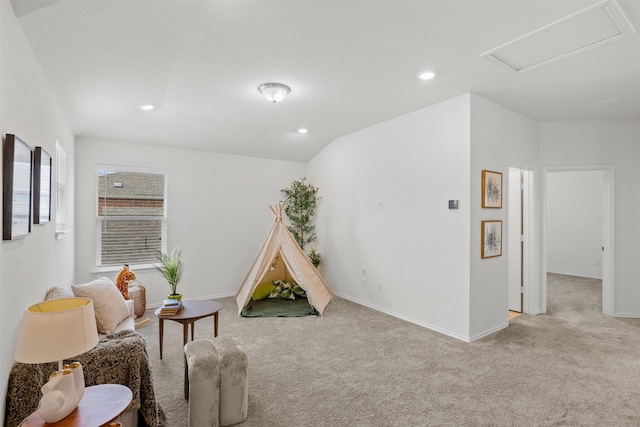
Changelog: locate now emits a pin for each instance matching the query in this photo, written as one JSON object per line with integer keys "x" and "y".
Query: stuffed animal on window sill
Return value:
{"x": 122, "y": 281}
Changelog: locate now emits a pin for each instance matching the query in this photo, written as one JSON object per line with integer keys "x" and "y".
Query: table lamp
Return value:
{"x": 55, "y": 330}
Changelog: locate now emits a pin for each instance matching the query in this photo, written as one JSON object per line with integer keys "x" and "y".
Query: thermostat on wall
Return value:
{"x": 453, "y": 204}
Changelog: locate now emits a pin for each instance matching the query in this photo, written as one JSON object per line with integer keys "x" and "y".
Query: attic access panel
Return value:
{"x": 586, "y": 29}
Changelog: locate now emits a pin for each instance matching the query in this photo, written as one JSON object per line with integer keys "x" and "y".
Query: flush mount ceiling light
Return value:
{"x": 274, "y": 92}
{"x": 303, "y": 130}
{"x": 147, "y": 107}
{"x": 426, "y": 75}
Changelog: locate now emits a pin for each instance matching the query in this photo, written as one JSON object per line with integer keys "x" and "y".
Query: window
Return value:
{"x": 61, "y": 185}
{"x": 131, "y": 215}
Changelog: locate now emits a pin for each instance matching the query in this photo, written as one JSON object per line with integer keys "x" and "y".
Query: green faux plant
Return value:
{"x": 314, "y": 257}
{"x": 300, "y": 206}
{"x": 172, "y": 268}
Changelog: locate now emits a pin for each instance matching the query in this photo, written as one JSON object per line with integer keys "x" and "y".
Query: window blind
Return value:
{"x": 131, "y": 217}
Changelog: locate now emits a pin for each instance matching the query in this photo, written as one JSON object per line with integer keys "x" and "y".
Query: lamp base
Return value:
{"x": 61, "y": 395}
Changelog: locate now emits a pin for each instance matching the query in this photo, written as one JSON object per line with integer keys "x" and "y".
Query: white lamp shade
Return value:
{"x": 57, "y": 329}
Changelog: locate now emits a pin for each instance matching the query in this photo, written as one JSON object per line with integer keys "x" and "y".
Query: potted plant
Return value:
{"x": 172, "y": 268}
{"x": 300, "y": 206}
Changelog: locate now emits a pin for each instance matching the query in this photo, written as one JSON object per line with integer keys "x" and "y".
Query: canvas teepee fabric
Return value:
{"x": 281, "y": 258}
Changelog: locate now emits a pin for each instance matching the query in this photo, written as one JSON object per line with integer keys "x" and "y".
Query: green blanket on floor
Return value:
{"x": 278, "y": 307}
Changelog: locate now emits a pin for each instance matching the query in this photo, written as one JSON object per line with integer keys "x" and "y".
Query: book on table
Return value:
{"x": 171, "y": 307}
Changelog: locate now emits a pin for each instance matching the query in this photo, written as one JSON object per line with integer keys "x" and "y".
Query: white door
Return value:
{"x": 515, "y": 233}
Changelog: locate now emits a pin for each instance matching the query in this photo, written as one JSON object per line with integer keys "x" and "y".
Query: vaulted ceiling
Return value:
{"x": 350, "y": 64}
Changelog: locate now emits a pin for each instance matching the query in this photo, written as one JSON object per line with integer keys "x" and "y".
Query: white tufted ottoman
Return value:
{"x": 218, "y": 382}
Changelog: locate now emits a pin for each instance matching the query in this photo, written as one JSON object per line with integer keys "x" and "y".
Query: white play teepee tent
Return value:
{"x": 281, "y": 258}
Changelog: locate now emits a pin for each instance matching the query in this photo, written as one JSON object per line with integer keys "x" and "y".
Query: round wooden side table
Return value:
{"x": 100, "y": 404}
{"x": 193, "y": 310}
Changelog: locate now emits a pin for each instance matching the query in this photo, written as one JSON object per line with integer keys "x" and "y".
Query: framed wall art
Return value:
{"x": 41, "y": 186}
{"x": 491, "y": 189}
{"x": 491, "y": 239}
{"x": 17, "y": 172}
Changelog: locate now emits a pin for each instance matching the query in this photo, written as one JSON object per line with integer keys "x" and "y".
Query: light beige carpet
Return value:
{"x": 357, "y": 367}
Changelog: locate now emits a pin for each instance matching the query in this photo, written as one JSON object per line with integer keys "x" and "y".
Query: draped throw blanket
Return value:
{"x": 119, "y": 358}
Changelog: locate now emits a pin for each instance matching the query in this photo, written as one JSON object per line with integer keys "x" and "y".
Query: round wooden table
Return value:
{"x": 193, "y": 310}
{"x": 100, "y": 404}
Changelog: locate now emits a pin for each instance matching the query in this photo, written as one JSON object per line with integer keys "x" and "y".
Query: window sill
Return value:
{"x": 115, "y": 268}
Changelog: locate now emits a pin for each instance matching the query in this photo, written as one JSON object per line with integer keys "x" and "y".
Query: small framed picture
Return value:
{"x": 491, "y": 189}
{"x": 491, "y": 239}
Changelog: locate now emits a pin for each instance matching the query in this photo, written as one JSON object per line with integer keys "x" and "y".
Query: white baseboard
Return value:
{"x": 232, "y": 294}
{"x": 406, "y": 318}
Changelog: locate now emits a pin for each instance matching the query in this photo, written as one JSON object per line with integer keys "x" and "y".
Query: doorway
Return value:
{"x": 578, "y": 221}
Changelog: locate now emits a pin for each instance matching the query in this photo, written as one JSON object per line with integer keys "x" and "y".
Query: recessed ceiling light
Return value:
{"x": 426, "y": 75}
{"x": 147, "y": 107}
{"x": 303, "y": 130}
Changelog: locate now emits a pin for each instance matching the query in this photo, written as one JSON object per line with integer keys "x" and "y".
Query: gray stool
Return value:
{"x": 218, "y": 382}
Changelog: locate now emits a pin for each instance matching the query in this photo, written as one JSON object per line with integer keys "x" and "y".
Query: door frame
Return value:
{"x": 608, "y": 211}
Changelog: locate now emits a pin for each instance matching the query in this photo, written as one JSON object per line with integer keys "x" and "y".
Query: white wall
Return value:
{"x": 218, "y": 211}
{"x": 426, "y": 256}
{"x": 414, "y": 245}
{"x": 574, "y": 223}
{"x": 499, "y": 137}
{"x": 28, "y": 109}
{"x": 612, "y": 142}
